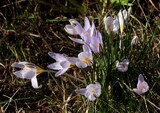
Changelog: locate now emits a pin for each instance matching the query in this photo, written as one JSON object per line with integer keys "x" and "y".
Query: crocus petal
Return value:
{"x": 72, "y": 60}
{"x": 97, "y": 89}
{"x": 86, "y": 49}
{"x": 65, "y": 64}
{"x": 138, "y": 91}
{"x": 61, "y": 72}
{"x": 90, "y": 96}
{"x": 70, "y": 29}
{"x": 19, "y": 64}
{"x": 77, "y": 40}
{"x": 140, "y": 79}
{"x": 81, "y": 64}
{"x": 18, "y": 74}
{"x": 86, "y": 24}
{"x": 125, "y": 15}
{"x": 93, "y": 29}
{"x": 55, "y": 66}
{"x": 28, "y": 74}
{"x": 57, "y": 56}
{"x": 77, "y": 26}
{"x": 109, "y": 25}
{"x": 115, "y": 25}
{"x": 121, "y": 21}
{"x": 35, "y": 83}
{"x": 81, "y": 91}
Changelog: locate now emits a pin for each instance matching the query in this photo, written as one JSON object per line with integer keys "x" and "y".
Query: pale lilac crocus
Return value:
{"x": 75, "y": 28}
{"x": 91, "y": 37}
{"x": 111, "y": 25}
{"x": 28, "y": 71}
{"x": 142, "y": 86}
{"x": 92, "y": 91}
{"x": 96, "y": 42}
{"x": 62, "y": 64}
{"x": 122, "y": 66}
{"x": 85, "y": 58}
{"x": 82, "y": 32}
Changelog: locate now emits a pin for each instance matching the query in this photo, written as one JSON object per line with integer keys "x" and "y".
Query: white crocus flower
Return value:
{"x": 28, "y": 71}
{"x": 122, "y": 66}
{"x": 121, "y": 21}
{"x": 85, "y": 57}
{"x": 123, "y": 17}
{"x": 63, "y": 63}
{"x": 111, "y": 25}
{"x": 142, "y": 86}
{"x": 126, "y": 14}
{"x": 92, "y": 91}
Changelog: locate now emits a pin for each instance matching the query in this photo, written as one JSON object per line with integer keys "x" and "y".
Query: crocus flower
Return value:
{"x": 92, "y": 91}
{"x": 28, "y": 71}
{"x": 63, "y": 63}
{"x": 142, "y": 86}
{"x": 122, "y": 66}
{"x": 95, "y": 43}
{"x": 91, "y": 37}
{"x": 75, "y": 27}
{"x": 121, "y": 21}
{"x": 126, "y": 14}
{"x": 123, "y": 17}
{"x": 85, "y": 58}
{"x": 111, "y": 25}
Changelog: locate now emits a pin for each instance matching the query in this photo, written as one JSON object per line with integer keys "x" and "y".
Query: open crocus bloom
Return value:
{"x": 111, "y": 25}
{"x": 122, "y": 66}
{"x": 142, "y": 86}
{"x": 29, "y": 71}
{"x": 63, "y": 63}
{"x": 90, "y": 36}
{"x": 85, "y": 58}
{"x": 92, "y": 91}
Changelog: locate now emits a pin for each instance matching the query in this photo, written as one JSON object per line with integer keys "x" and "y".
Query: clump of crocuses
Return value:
{"x": 89, "y": 35}
{"x": 112, "y": 25}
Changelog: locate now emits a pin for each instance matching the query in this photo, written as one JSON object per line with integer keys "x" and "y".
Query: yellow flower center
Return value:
{"x": 86, "y": 60}
{"x": 142, "y": 86}
{"x": 72, "y": 65}
{"x": 39, "y": 70}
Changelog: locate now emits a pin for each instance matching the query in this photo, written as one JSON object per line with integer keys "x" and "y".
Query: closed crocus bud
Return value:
{"x": 92, "y": 91}
{"x": 142, "y": 86}
{"x": 135, "y": 40}
{"x": 28, "y": 71}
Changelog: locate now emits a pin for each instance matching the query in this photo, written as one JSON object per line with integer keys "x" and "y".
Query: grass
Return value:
{"x": 31, "y": 29}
